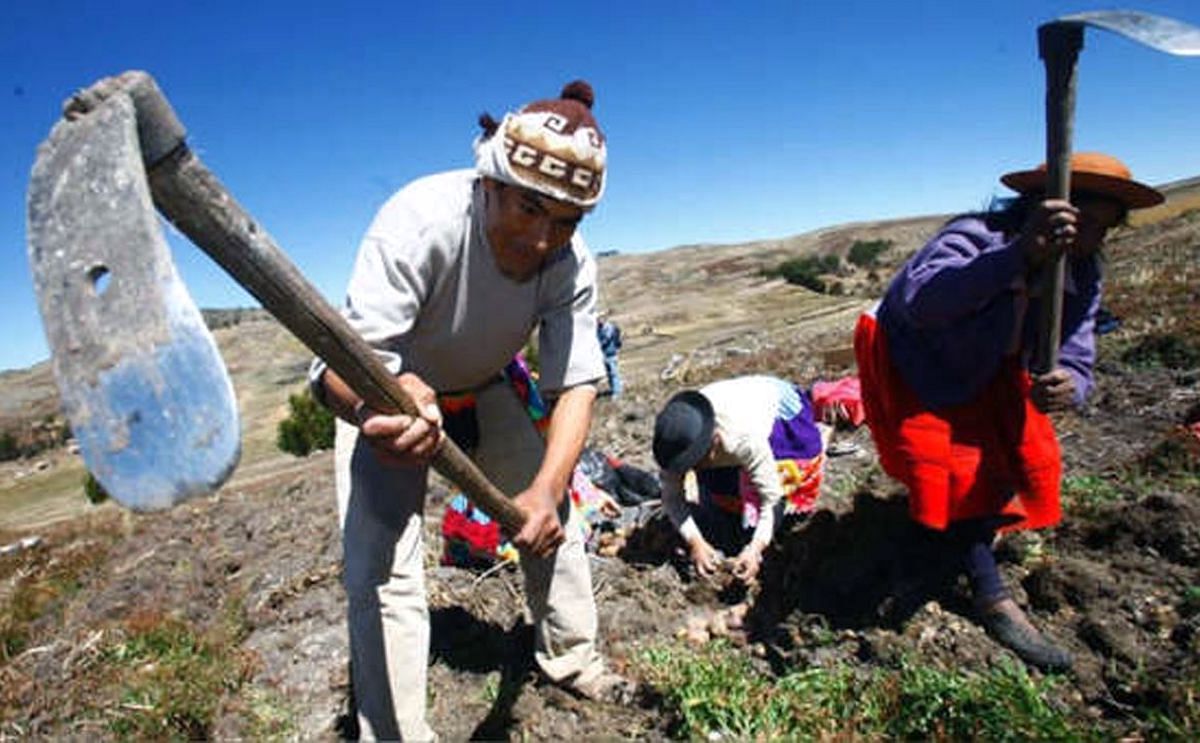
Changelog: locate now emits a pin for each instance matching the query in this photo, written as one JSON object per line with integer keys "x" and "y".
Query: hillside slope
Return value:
{"x": 225, "y": 618}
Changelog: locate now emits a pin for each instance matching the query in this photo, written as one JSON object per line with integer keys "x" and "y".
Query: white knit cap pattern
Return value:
{"x": 557, "y": 151}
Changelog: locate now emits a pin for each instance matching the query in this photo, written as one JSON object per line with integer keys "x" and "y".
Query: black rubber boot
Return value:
{"x": 1027, "y": 643}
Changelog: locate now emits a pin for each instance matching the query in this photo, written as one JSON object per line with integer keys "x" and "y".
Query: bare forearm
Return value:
{"x": 396, "y": 438}
{"x": 339, "y": 398}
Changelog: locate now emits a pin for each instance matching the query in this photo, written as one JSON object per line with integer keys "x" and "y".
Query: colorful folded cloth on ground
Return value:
{"x": 840, "y": 400}
{"x": 588, "y": 504}
{"x": 471, "y": 539}
{"x": 628, "y": 484}
{"x": 731, "y": 490}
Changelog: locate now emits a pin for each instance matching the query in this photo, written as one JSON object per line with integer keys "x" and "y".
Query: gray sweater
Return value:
{"x": 426, "y": 293}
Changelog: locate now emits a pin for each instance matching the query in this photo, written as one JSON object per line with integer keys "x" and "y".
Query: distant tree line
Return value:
{"x": 8, "y": 447}
{"x": 811, "y": 271}
{"x": 49, "y": 433}
{"x": 225, "y": 318}
{"x": 808, "y": 271}
{"x": 865, "y": 253}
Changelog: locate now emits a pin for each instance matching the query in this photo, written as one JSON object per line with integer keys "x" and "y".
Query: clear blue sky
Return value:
{"x": 726, "y": 121}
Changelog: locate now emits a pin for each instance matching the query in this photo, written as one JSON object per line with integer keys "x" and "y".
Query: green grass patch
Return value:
{"x": 1175, "y": 457}
{"x": 153, "y": 676}
{"x": 42, "y": 583}
{"x": 1190, "y": 603}
{"x": 168, "y": 679}
{"x": 1163, "y": 350}
{"x": 1084, "y": 494}
{"x": 718, "y": 691}
{"x": 39, "y": 492}
{"x": 9, "y": 449}
{"x": 93, "y": 490}
{"x": 268, "y": 716}
{"x": 1179, "y": 719}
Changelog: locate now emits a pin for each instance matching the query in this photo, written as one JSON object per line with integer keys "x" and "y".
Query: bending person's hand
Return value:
{"x": 748, "y": 562}
{"x": 706, "y": 559}
{"x": 1053, "y": 391}
{"x": 543, "y": 532}
{"x": 402, "y": 440}
{"x": 1050, "y": 228}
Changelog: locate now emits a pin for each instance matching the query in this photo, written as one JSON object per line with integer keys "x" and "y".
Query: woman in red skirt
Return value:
{"x": 943, "y": 359}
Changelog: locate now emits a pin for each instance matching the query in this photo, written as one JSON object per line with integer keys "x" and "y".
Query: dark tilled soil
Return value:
{"x": 842, "y": 586}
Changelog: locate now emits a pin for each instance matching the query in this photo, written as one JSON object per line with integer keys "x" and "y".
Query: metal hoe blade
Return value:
{"x": 142, "y": 384}
{"x": 149, "y": 399}
{"x": 1164, "y": 34}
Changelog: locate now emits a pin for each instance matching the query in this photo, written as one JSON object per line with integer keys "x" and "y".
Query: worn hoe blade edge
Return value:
{"x": 1164, "y": 34}
{"x": 142, "y": 384}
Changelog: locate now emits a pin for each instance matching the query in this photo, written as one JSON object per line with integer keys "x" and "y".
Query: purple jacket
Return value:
{"x": 950, "y": 312}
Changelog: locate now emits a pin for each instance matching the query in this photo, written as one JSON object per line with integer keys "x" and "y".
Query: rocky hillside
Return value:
{"x": 224, "y": 617}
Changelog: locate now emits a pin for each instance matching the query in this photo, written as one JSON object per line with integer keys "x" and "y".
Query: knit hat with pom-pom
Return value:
{"x": 552, "y": 146}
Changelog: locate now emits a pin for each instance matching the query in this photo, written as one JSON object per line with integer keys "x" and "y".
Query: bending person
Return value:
{"x": 757, "y": 456}
{"x": 955, "y": 413}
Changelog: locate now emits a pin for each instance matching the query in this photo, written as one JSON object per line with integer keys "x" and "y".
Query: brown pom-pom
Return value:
{"x": 579, "y": 90}
{"x": 488, "y": 124}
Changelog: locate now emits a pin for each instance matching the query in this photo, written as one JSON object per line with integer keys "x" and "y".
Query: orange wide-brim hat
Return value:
{"x": 1094, "y": 172}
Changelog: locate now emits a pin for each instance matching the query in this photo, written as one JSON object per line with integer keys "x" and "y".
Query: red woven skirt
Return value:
{"x": 963, "y": 461}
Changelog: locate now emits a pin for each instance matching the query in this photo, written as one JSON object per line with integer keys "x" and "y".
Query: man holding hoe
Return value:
{"x": 452, "y": 276}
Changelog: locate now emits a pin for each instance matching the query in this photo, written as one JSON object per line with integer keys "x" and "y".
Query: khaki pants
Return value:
{"x": 381, "y": 513}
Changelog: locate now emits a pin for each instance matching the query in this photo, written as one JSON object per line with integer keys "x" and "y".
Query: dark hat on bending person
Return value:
{"x": 683, "y": 431}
